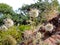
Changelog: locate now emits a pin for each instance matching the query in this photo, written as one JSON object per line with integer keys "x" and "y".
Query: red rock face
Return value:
{"x": 53, "y": 40}
{"x": 55, "y": 21}
{"x": 52, "y": 37}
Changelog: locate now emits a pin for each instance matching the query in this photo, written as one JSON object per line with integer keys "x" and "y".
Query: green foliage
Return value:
{"x": 4, "y": 8}
{"x": 7, "y": 16}
{"x": 15, "y": 32}
{"x": 19, "y": 18}
{"x": 59, "y": 8}
{"x": 6, "y": 11}
{"x": 24, "y": 27}
{"x": 11, "y": 31}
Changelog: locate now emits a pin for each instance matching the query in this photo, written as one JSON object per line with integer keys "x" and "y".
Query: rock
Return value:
{"x": 49, "y": 27}
{"x": 8, "y": 22}
{"x": 53, "y": 40}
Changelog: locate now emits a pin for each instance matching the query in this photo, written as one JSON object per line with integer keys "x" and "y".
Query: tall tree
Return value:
{"x": 4, "y": 8}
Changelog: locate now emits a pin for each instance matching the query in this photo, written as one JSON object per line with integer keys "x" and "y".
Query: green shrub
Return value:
{"x": 24, "y": 27}
{"x": 16, "y": 35}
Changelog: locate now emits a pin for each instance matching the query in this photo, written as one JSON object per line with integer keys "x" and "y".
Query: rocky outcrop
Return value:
{"x": 7, "y": 23}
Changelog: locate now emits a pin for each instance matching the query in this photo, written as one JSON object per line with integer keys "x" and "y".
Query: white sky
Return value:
{"x": 18, "y": 3}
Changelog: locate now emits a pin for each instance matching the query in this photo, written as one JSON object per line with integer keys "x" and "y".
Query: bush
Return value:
{"x": 13, "y": 32}
{"x": 24, "y": 27}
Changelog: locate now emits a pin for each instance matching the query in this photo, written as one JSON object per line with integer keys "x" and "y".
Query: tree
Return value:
{"x": 6, "y": 9}
{"x": 20, "y": 19}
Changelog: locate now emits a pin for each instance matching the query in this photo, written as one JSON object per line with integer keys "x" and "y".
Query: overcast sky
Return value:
{"x": 18, "y": 3}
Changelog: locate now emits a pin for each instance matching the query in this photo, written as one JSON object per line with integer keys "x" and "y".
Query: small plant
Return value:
{"x": 24, "y": 27}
